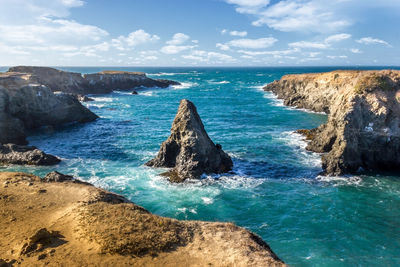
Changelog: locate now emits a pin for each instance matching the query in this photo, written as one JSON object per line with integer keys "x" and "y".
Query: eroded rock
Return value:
{"x": 25, "y": 155}
{"x": 363, "y": 127}
{"x": 189, "y": 151}
{"x": 56, "y": 177}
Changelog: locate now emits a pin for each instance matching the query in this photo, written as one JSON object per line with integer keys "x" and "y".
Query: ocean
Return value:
{"x": 275, "y": 190}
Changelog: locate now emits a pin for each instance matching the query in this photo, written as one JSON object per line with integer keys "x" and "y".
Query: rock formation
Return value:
{"x": 76, "y": 224}
{"x": 97, "y": 83}
{"x": 363, "y": 127}
{"x": 25, "y": 155}
{"x": 189, "y": 150}
{"x": 25, "y": 106}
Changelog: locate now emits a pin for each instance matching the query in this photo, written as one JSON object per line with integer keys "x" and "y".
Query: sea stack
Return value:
{"x": 189, "y": 151}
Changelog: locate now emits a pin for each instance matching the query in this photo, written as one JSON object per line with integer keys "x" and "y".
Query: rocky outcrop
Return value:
{"x": 76, "y": 224}
{"x": 25, "y": 155}
{"x": 363, "y": 127}
{"x": 81, "y": 84}
{"x": 189, "y": 150}
{"x": 31, "y": 106}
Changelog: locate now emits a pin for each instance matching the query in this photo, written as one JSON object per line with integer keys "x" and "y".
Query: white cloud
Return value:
{"x": 294, "y": 15}
{"x": 224, "y": 31}
{"x": 305, "y": 44}
{"x": 336, "y": 57}
{"x": 175, "y": 45}
{"x": 356, "y": 51}
{"x": 175, "y": 49}
{"x": 371, "y": 40}
{"x": 253, "y": 43}
{"x": 136, "y": 38}
{"x": 327, "y": 43}
{"x": 178, "y": 39}
{"x": 209, "y": 57}
{"x": 337, "y": 38}
{"x": 223, "y": 47}
{"x": 249, "y": 3}
{"x": 238, "y": 33}
{"x": 269, "y": 53}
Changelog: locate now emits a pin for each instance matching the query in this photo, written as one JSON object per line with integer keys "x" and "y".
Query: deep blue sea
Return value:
{"x": 275, "y": 191}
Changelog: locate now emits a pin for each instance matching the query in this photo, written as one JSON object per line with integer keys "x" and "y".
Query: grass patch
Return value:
{"x": 373, "y": 82}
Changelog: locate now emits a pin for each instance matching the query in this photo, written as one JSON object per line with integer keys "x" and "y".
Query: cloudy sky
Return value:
{"x": 199, "y": 32}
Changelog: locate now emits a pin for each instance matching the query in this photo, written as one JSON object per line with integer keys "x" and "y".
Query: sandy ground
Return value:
{"x": 76, "y": 224}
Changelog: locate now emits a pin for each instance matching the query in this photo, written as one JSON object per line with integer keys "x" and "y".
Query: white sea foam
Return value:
{"x": 340, "y": 180}
{"x": 102, "y": 99}
{"x": 147, "y": 93}
{"x": 184, "y": 86}
{"x": 220, "y": 82}
{"x": 207, "y": 200}
{"x": 297, "y": 142}
{"x": 169, "y": 74}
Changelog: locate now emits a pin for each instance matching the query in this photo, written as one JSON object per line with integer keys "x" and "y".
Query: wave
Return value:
{"x": 169, "y": 73}
{"x": 221, "y": 82}
{"x": 184, "y": 85}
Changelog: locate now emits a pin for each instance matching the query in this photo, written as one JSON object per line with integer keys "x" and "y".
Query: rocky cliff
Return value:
{"x": 96, "y": 83}
{"x": 25, "y": 105}
{"x": 363, "y": 127}
{"x": 70, "y": 223}
{"x": 189, "y": 150}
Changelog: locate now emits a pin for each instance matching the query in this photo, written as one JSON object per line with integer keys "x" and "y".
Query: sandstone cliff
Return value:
{"x": 96, "y": 83}
{"x": 363, "y": 127}
{"x": 67, "y": 223}
{"x": 189, "y": 150}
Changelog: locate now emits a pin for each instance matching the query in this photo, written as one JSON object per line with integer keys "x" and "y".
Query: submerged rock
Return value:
{"x": 362, "y": 130}
{"x": 25, "y": 155}
{"x": 84, "y": 98}
{"x": 189, "y": 150}
{"x": 134, "y": 93}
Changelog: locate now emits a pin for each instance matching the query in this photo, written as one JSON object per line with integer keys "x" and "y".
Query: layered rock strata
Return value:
{"x": 81, "y": 84}
{"x": 189, "y": 150}
{"x": 50, "y": 223}
{"x": 363, "y": 127}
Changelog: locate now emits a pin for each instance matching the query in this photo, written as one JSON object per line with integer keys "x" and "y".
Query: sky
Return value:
{"x": 200, "y": 32}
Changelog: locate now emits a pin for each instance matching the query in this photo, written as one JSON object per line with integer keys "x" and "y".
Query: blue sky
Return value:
{"x": 199, "y": 32}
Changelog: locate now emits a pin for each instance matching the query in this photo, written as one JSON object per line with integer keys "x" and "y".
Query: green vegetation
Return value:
{"x": 373, "y": 82}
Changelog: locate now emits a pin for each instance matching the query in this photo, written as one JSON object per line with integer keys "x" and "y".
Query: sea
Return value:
{"x": 275, "y": 190}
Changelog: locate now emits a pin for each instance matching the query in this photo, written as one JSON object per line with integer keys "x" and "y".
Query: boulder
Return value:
{"x": 189, "y": 150}
{"x": 84, "y": 98}
{"x": 25, "y": 155}
{"x": 134, "y": 93}
{"x": 56, "y": 177}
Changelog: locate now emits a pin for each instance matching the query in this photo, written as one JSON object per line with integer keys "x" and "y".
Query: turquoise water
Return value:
{"x": 275, "y": 191}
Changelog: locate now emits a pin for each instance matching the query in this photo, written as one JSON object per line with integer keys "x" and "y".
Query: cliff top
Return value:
{"x": 76, "y": 224}
{"x": 121, "y": 72}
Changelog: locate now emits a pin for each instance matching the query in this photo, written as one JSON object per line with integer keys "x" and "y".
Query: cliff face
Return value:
{"x": 31, "y": 106}
{"x": 97, "y": 83}
{"x": 363, "y": 127}
{"x": 72, "y": 223}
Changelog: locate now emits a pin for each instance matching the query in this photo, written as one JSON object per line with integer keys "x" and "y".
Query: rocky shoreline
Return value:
{"x": 33, "y": 97}
{"x": 61, "y": 221}
{"x": 363, "y": 127}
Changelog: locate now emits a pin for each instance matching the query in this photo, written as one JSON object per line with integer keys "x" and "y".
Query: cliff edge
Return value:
{"x": 59, "y": 221}
{"x": 363, "y": 127}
